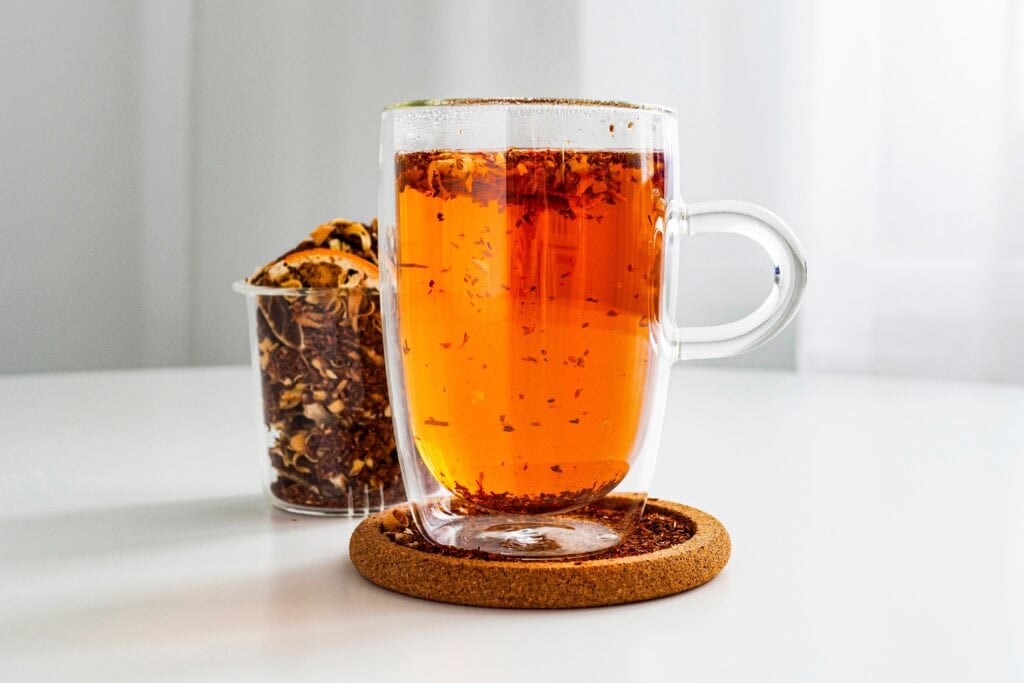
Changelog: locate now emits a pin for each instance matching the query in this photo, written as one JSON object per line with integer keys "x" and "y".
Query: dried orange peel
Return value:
{"x": 321, "y": 267}
{"x": 339, "y": 253}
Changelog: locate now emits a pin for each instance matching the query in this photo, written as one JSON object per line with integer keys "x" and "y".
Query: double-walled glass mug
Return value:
{"x": 529, "y": 259}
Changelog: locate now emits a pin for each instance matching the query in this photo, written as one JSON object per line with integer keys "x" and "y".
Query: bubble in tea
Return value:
{"x": 527, "y": 284}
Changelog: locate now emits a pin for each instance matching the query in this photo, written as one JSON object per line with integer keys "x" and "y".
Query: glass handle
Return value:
{"x": 789, "y": 277}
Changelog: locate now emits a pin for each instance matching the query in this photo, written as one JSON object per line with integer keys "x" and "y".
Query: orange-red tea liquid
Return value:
{"x": 527, "y": 280}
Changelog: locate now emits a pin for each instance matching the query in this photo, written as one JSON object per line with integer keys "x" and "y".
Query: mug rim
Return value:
{"x": 528, "y": 101}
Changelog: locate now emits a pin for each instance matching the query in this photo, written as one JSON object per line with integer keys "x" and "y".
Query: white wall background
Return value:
{"x": 155, "y": 151}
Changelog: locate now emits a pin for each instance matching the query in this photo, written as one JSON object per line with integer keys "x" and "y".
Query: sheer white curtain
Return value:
{"x": 195, "y": 138}
{"x": 889, "y": 133}
{"x": 912, "y": 155}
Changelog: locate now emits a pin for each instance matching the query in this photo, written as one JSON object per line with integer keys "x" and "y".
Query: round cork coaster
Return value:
{"x": 563, "y": 583}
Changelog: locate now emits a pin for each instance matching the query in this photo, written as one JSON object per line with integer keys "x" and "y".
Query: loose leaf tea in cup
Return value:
{"x": 316, "y": 326}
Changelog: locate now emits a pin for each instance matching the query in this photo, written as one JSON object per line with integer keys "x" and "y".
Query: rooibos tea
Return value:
{"x": 527, "y": 291}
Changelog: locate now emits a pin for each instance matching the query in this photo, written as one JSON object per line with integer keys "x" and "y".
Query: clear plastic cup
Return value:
{"x": 327, "y": 439}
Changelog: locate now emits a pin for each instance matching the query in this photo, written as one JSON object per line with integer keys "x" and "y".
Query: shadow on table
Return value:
{"x": 138, "y": 527}
{"x": 316, "y": 606}
{"x": 296, "y": 591}
{"x": 308, "y": 606}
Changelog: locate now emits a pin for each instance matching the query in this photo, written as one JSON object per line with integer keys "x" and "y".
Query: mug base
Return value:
{"x": 541, "y": 536}
{"x": 580, "y": 532}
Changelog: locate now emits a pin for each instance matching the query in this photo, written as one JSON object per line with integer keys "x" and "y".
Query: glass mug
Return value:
{"x": 529, "y": 258}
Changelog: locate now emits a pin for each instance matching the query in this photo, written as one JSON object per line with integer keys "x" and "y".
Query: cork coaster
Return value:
{"x": 545, "y": 584}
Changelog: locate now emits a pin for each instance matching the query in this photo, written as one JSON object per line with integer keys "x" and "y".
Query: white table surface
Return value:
{"x": 877, "y": 526}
